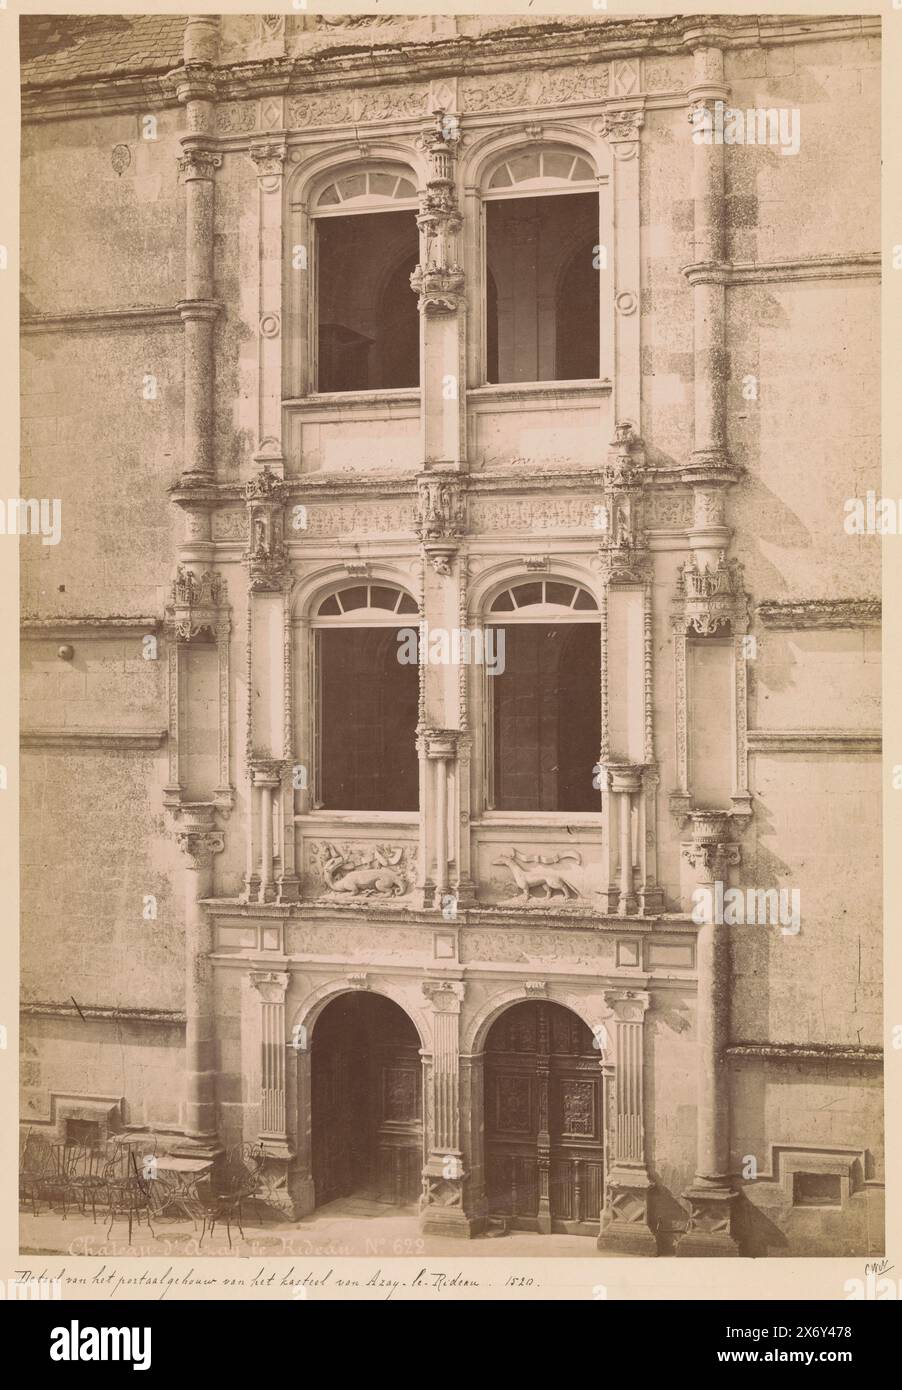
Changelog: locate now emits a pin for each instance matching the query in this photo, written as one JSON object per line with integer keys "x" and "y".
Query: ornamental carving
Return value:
{"x": 621, "y": 125}
{"x": 373, "y": 871}
{"x": 624, "y": 558}
{"x": 439, "y": 278}
{"x": 557, "y": 87}
{"x": 536, "y": 873}
{"x": 236, "y": 116}
{"x": 266, "y": 555}
{"x": 196, "y": 603}
{"x": 200, "y": 846}
{"x": 199, "y": 164}
{"x": 712, "y": 600}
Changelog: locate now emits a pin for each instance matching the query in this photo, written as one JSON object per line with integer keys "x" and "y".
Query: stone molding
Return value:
{"x": 796, "y": 616}
{"x": 131, "y": 740}
{"x": 815, "y": 741}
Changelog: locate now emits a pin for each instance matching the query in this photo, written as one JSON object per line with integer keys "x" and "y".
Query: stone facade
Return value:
{"x": 190, "y": 909}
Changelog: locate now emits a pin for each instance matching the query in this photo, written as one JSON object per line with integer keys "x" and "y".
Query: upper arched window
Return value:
{"x": 366, "y": 245}
{"x": 366, "y": 691}
{"x": 543, "y": 597}
{"x": 541, "y": 267}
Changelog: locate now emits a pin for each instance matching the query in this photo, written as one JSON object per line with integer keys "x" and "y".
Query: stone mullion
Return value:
{"x": 271, "y": 987}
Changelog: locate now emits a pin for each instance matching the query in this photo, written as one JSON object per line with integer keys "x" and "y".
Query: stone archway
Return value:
{"x": 366, "y": 1101}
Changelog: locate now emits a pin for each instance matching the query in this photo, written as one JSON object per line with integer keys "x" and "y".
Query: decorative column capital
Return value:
{"x": 197, "y": 604}
{"x": 709, "y": 850}
{"x": 269, "y": 158}
{"x": 200, "y": 845}
{"x": 198, "y": 164}
{"x": 266, "y": 772}
{"x": 271, "y": 985}
{"x": 439, "y": 744}
{"x": 445, "y": 996}
{"x": 620, "y": 126}
{"x": 627, "y": 1005}
{"x": 711, "y": 602}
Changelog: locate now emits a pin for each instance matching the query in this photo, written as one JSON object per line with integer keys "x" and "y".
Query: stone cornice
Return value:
{"x": 141, "y": 316}
{"x": 807, "y": 1052}
{"x": 579, "y": 917}
{"x": 814, "y": 741}
{"x": 853, "y": 266}
{"x": 543, "y": 46}
{"x": 67, "y": 629}
{"x": 46, "y": 1009}
{"x": 795, "y": 616}
{"x": 74, "y": 739}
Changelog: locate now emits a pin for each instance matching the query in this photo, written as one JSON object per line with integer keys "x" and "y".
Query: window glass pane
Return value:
{"x": 582, "y": 170}
{"x": 525, "y": 166}
{"x": 547, "y": 710}
{"x": 527, "y": 593}
{"x": 354, "y": 598}
{"x": 329, "y": 605}
{"x": 501, "y": 178}
{"x": 407, "y": 605}
{"x": 585, "y": 601}
{"x": 383, "y": 597}
{"x": 368, "y": 321}
{"x": 405, "y": 189}
{"x": 542, "y": 320}
{"x": 383, "y": 183}
{"x": 328, "y": 195}
{"x": 352, "y": 186}
{"x": 559, "y": 593}
{"x": 504, "y": 603}
{"x": 556, "y": 165}
{"x": 368, "y": 720}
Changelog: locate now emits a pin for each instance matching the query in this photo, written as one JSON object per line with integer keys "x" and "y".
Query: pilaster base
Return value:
{"x": 625, "y": 1228}
{"x": 710, "y": 1230}
{"x": 197, "y": 1146}
{"x": 442, "y": 1203}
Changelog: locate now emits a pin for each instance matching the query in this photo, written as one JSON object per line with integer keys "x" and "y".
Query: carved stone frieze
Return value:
{"x": 554, "y": 87}
{"x": 537, "y": 873}
{"x": 364, "y": 871}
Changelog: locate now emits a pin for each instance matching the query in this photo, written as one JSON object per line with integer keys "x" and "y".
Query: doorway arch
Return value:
{"x": 366, "y": 1101}
{"x": 544, "y": 1120}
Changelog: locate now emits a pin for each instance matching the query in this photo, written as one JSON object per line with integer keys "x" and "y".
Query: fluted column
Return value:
{"x": 626, "y": 1218}
{"x": 444, "y": 1176}
{"x": 711, "y": 1197}
{"x": 199, "y": 841}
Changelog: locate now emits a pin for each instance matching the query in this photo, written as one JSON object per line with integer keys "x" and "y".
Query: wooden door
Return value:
{"x": 543, "y": 1121}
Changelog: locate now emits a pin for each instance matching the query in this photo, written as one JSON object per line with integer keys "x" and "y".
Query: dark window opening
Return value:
{"x": 542, "y": 289}
{"x": 367, "y": 720}
{"x": 816, "y": 1190}
{"x": 368, "y": 321}
{"x": 83, "y": 1132}
{"x": 546, "y": 706}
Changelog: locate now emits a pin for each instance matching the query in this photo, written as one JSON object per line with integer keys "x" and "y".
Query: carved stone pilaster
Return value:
{"x": 441, "y": 503}
{"x": 442, "y": 1205}
{"x": 626, "y": 1221}
{"x": 266, "y": 556}
{"x": 198, "y": 613}
{"x": 439, "y": 278}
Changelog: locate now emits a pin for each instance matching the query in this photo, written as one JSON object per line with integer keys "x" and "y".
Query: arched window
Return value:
{"x": 542, "y": 287}
{"x": 544, "y": 706}
{"x": 366, "y": 245}
{"x": 365, "y": 704}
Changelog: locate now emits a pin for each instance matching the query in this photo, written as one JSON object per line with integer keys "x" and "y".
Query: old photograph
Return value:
{"x": 450, "y": 514}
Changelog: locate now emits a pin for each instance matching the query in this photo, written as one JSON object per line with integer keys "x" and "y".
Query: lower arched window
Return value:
{"x": 366, "y": 692}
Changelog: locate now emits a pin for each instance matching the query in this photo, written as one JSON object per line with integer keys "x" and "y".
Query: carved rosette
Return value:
{"x": 267, "y": 555}
{"x": 439, "y": 278}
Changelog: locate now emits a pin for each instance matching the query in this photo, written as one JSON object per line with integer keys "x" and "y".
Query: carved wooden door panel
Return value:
{"x": 338, "y": 1092}
{"x": 543, "y": 1098}
{"x": 397, "y": 1101}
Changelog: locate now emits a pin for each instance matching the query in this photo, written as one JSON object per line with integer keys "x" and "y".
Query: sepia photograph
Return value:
{"x": 451, "y": 527}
